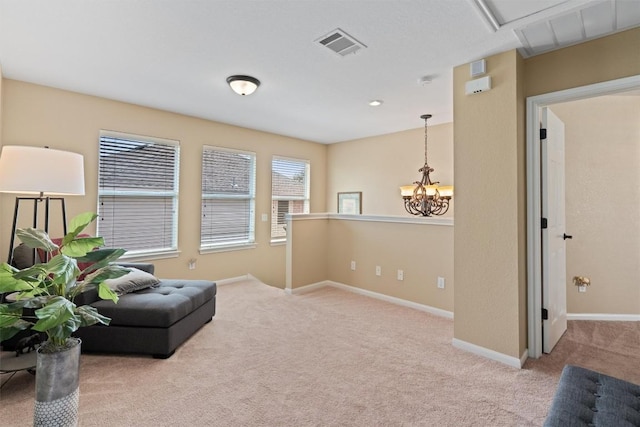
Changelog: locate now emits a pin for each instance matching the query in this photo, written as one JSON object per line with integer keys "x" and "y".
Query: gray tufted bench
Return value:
{"x": 151, "y": 321}
{"x": 589, "y": 398}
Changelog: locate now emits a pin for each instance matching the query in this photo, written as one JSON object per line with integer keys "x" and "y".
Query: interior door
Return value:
{"x": 554, "y": 287}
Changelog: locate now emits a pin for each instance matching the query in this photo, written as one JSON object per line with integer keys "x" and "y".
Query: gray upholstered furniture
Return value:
{"x": 589, "y": 398}
{"x": 151, "y": 321}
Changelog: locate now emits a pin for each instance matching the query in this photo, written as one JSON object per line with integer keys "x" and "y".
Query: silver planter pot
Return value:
{"x": 57, "y": 387}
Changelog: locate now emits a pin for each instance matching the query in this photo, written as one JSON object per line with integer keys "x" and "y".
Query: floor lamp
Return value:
{"x": 41, "y": 173}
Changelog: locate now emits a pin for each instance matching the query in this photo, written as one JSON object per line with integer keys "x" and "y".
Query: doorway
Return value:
{"x": 534, "y": 191}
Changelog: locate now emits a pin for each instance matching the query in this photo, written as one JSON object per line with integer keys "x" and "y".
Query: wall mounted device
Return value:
{"x": 478, "y": 85}
{"x": 478, "y": 68}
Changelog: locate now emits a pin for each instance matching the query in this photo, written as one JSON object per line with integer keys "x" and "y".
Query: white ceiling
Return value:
{"x": 175, "y": 55}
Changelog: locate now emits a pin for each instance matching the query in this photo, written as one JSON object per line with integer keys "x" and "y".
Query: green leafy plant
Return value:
{"x": 44, "y": 293}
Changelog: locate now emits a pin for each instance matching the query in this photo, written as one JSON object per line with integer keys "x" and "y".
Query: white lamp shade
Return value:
{"x": 446, "y": 191}
{"x": 431, "y": 190}
{"x": 407, "y": 190}
{"x": 35, "y": 170}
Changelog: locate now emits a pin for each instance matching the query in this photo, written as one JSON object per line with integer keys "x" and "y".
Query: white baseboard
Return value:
{"x": 524, "y": 357}
{"x": 463, "y": 345}
{"x": 306, "y": 288}
{"x": 393, "y": 300}
{"x": 371, "y": 294}
{"x": 491, "y": 354}
{"x": 231, "y": 280}
{"x": 603, "y": 316}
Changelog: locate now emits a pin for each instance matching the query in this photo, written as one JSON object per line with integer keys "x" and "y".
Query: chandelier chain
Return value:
{"x": 425, "y": 143}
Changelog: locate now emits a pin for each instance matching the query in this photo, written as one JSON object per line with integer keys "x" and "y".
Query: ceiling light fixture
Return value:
{"x": 243, "y": 85}
{"x": 376, "y": 102}
{"x": 425, "y": 197}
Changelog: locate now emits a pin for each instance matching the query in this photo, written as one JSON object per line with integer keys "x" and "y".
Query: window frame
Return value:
{"x": 306, "y": 198}
{"x": 237, "y": 245}
{"x": 155, "y": 253}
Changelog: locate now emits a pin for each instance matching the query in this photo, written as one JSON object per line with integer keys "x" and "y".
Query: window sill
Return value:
{"x": 227, "y": 248}
{"x": 279, "y": 242}
{"x": 149, "y": 256}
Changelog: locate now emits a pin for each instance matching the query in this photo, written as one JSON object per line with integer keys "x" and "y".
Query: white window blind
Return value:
{"x": 289, "y": 192}
{"x": 228, "y": 197}
{"x": 138, "y": 193}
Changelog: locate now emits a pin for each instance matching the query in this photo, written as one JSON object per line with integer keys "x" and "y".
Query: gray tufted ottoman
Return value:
{"x": 151, "y": 321}
{"x": 589, "y": 398}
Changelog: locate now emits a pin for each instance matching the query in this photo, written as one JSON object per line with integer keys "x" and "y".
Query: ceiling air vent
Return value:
{"x": 341, "y": 42}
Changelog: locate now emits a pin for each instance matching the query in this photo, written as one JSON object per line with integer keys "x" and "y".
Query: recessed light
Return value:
{"x": 425, "y": 80}
{"x": 376, "y": 102}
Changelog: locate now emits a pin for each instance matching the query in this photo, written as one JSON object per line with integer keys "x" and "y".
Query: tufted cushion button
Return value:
{"x": 594, "y": 409}
{"x": 596, "y": 395}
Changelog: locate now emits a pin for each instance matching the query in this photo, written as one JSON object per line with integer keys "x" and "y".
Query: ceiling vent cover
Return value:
{"x": 340, "y": 42}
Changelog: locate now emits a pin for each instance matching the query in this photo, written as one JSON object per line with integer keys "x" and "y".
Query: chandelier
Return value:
{"x": 426, "y": 197}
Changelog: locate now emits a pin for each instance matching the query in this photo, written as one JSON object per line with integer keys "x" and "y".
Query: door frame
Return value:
{"x": 534, "y": 240}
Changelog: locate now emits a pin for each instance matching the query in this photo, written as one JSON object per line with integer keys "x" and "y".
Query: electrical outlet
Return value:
{"x": 582, "y": 288}
{"x": 353, "y": 265}
{"x": 192, "y": 264}
{"x": 440, "y": 282}
{"x": 378, "y": 270}
{"x": 265, "y": 217}
{"x": 400, "y": 275}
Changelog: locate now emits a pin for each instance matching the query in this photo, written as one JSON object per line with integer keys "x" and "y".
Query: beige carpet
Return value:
{"x": 327, "y": 358}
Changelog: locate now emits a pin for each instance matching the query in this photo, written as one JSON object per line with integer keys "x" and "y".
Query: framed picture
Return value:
{"x": 350, "y": 203}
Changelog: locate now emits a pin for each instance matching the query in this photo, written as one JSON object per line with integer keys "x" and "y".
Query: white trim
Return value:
{"x": 149, "y": 256}
{"x": 306, "y": 288}
{"x": 398, "y": 301}
{"x": 514, "y": 362}
{"x": 393, "y": 300}
{"x": 373, "y": 218}
{"x": 305, "y": 217}
{"x": 231, "y": 280}
{"x": 604, "y": 316}
{"x": 524, "y": 357}
{"x": 534, "y": 244}
{"x": 227, "y": 248}
{"x": 137, "y": 137}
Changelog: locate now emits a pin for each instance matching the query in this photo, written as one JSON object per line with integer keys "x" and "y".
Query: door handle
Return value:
{"x": 565, "y": 236}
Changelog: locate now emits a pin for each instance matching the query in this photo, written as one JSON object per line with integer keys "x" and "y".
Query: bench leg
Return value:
{"x": 163, "y": 356}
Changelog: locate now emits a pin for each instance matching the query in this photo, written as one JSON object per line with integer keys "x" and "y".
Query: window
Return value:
{"x": 228, "y": 198}
{"x": 138, "y": 193}
{"x": 289, "y": 192}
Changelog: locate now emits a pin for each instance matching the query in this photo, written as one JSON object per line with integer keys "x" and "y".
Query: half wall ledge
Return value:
{"x": 372, "y": 218}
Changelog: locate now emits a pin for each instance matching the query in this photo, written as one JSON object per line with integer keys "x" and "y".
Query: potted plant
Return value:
{"x": 42, "y": 299}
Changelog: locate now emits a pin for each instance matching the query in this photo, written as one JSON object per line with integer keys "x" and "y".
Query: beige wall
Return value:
{"x": 596, "y": 61}
{"x": 379, "y": 165}
{"x": 423, "y": 252}
{"x": 487, "y": 244}
{"x": 322, "y": 249}
{"x": 489, "y": 240}
{"x": 602, "y": 146}
{"x": 308, "y": 243}
{"x": 37, "y": 115}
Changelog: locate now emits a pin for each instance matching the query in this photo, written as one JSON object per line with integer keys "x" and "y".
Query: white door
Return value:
{"x": 554, "y": 287}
